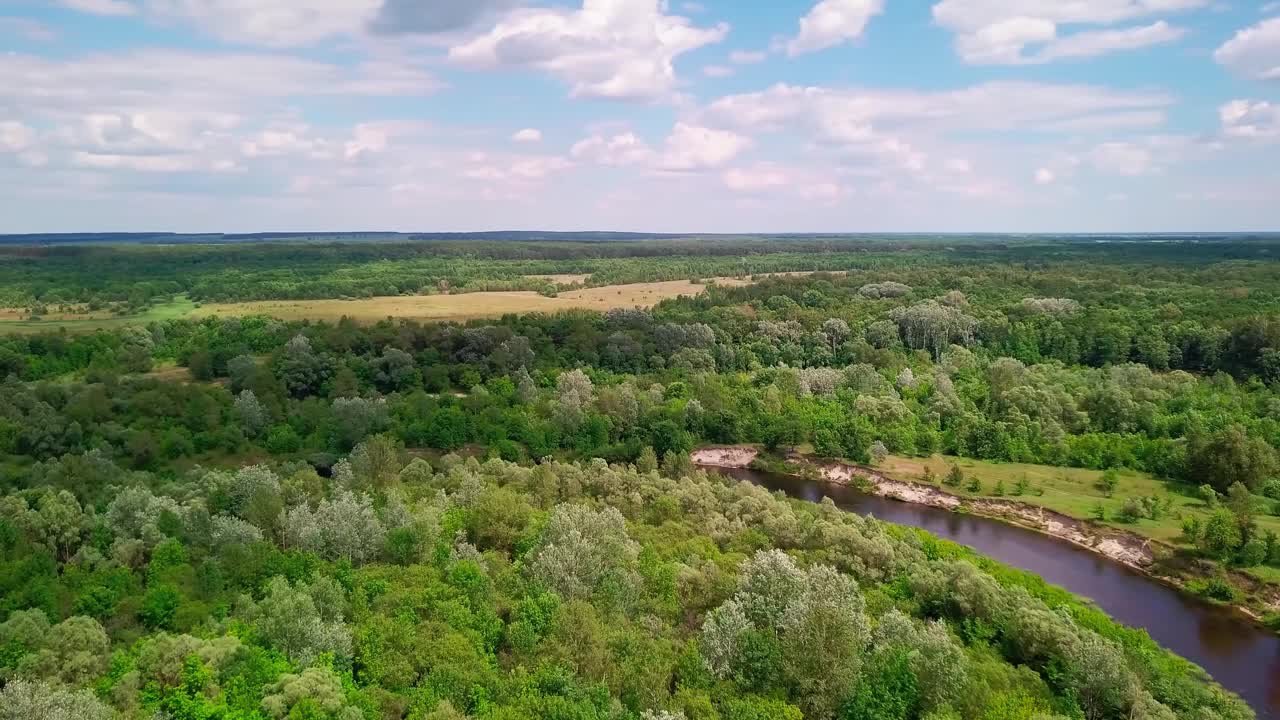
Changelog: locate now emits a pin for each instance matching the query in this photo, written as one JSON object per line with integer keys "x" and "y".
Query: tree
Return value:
{"x": 1240, "y": 502}
{"x": 73, "y": 652}
{"x": 345, "y": 527}
{"x": 932, "y": 326}
{"x": 395, "y": 370}
{"x": 824, "y": 632}
{"x": 574, "y": 394}
{"x": 583, "y": 552}
{"x": 955, "y": 477}
{"x": 251, "y": 414}
{"x": 377, "y": 461}
{"x": 1108, "y": 483}
{"x": 291, "y": 621}
{"x": 27, "y": 700}
{"x": 356, "y": 418}
{"x": 647, "y": 462}
{"x": 1221, "y": 535}
{"x": 302, "y": 370}
{"x": 159, "y": 606}
{"x": 1230, "y": 456}
{"x": 879, "y": 453}
{"x": 314, "y": 693}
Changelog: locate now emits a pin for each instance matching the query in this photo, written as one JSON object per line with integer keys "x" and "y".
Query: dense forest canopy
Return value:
{"x": 287, "y": 526}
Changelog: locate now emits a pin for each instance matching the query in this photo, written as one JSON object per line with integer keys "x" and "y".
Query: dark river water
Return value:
{"x": 1241, "y": 656}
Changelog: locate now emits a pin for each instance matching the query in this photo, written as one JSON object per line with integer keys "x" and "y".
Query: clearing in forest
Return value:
{"x": 463, "y": 306}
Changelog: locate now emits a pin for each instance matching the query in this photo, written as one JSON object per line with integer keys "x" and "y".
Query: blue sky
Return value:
{"x": 715, "y": 116}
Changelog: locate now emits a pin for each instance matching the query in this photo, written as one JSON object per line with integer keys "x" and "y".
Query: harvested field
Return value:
{"x": 464, "y": 306}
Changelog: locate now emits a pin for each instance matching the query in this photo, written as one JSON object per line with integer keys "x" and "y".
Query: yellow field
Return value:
{"x": 464, "y": 306}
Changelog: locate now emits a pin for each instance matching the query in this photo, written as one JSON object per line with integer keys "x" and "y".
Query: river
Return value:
{"x": 1238, "y": 654}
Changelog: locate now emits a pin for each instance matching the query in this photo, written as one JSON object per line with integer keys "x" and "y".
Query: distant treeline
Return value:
{"x": 173, "y": 238}
{"x": 139, "y": 274}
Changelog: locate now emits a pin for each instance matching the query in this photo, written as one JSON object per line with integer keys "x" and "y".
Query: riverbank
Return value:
{"x": 1152, "y": 558}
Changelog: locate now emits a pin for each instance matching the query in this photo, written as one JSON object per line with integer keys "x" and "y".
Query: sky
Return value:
{"x": 640, "y": 115}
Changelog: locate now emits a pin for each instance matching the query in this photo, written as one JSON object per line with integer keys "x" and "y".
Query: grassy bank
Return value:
{"x": 1076, "y": 492}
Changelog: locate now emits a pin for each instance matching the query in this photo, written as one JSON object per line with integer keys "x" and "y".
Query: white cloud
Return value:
{"x": 717, "y": 71}
{"x": 368, "y": 138}
{"x": 101, "y": 7}
{"x": 621, "y": 150}
{"x": 747, "y": 57}
{"x": 1257, "y": 119}
{"x": 419, "y": 16}
{"x": 759, "y": 178}
{"x": 1100, "y": 42}
{"x": 832, "y": 22}
{"x": 1045, "y": 176}
{"x": 15, "y": 137}
{"x": 518, "y": 170}
{"x": 618, "y": 49}
{"x": 1000, "y": 32}
{"x": 838, "y": 116}
{"x": 527, "y": 135}
{"x": 1254, "y": 52}
{"x": 138, "y": 163}
{"x": 689, "y": 148}
{"x": 269, "y": 23}
{"x": 1121, "y": 158}
{"x": 279, "y": 141}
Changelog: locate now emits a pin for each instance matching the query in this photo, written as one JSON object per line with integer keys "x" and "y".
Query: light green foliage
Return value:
{"x": 584, "y": 551}
{"x": 26, "y": 700}
{"x": 73, "y": 652}
{"x": 314, "y": 690}
{"x": 345, "y": 527}
{"x": 292, "y": 621}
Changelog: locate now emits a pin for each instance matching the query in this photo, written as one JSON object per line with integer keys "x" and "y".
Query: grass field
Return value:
{"x": 179, "y": 307}
{"x": 1070, "y": 491}
{"x": 459, "y": 307}
{"x": 465, "y": 306}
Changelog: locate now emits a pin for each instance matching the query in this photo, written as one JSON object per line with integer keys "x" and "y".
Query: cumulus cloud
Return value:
{"x": 527, "y": 135}
{"x": 1045, "y": 176}
{"x": 1254, "y": 52}
{"x": 621, "y": 150}
{"x": 258, "y": 22}
{"x": 1255, "y": 119}
{"x": 1016, "y": 32}
{"x": 617, "y": 49}
{"x": 417, "y": 16}
{"x": 688, "y": 149}
{"x": 691, "y": 148}
{"x": 832, "y": 22}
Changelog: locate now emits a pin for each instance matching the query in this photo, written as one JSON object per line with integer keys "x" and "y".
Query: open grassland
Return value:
{"x": 1070, "y": 491}
{"x": 13, "y": 321}
{"x": 465, "y": 306}
{"x": 456, "y": 307}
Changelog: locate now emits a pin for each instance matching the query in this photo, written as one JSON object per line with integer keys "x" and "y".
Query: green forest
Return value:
{"x": 249, "y": 518}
